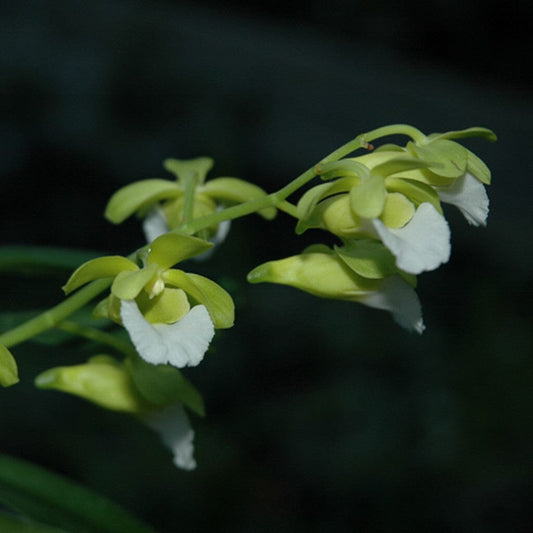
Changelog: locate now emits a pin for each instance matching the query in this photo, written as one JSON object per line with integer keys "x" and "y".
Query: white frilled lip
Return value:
{"x": 181, "y": 344}
{"x": 398, "y": 297}
{"x": 469, "y": 195}
{"x": 422, "y": 244}
{"x": 175, "y": 431}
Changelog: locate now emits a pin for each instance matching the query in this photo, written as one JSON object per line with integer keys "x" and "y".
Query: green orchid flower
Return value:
{"x": 170, "y": 315}
{"x": 358, "y": 201}
{"x": 456, "y": 174}
{"x": 362, "y": 271}
{"x": 164, "y": 205}
{"x": 156, "y": 396}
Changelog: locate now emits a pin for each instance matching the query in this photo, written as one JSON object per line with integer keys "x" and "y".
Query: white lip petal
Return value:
{"x": 469, "y": 196}
{"x": 173, "y": 426}
{"x": 181, "y": 344}
{"x": 401, "y": 300}
{"x": 155, "y": 224}
{"x": 422, "y": 244}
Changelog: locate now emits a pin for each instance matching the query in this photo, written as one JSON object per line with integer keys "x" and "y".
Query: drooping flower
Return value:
{"x": 170, "y": 315}
{"x": 120, "y": 386}
{"x": 456, "y": 174}
{"x": 372, "y": 203}
{"x": 362, "y": 271}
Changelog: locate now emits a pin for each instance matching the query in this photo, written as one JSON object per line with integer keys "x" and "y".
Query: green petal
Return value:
{"x": 165, "y": 308}
{"x": 398, "y": 210}
{"x": 183, "y": 169}
{"x": 448, "y": 158}
{"x": 478, "y": 169}
{"x": 128, "y": 285}
{"x": 138, "y": 195}
{"x": 468, "y": 132}
{"x": 336, "y": 215}
{"x": 8, "y": 368}
{"x": 172, "y": 248}
{"x": 415, "y": 191}
{"x": 102, "y": 380}
{"x": 367, "y": 258}
{"x": 306, "y": 206}
{"x": 236, "y": 191}
{"x": 101, "y": 267}
{"x": 218, "y": 302}
{"x": 368, "y": 198}
{"x": 164, "y": 385}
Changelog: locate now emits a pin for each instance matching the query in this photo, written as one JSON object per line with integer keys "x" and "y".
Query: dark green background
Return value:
{"x": 322, "y": 415}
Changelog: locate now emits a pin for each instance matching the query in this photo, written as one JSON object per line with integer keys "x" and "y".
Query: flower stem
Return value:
{"x": 96, "y": 335}
{"x": 53, "y": 316}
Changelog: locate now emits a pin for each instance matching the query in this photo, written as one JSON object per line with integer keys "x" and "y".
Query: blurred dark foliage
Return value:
{"x": 322, "y": 416}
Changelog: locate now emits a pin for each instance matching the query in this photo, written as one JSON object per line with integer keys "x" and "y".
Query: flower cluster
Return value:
{"x": 385, "y": 207}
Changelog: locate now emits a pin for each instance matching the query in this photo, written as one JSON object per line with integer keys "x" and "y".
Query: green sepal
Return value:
{"x": 478, "y": 169}
{"x": 127, "y": 285}
{"x": 389, "y": 147}
{"x": 218, "y": 302}
{"x": 368, "y": 198}
{"x": 448, "y": 158}
{"x": 396, "y": 165}
{"x": 171, "y": 248}
{"x": 349, "y": 168}
{"x": 414, "y": 190}
{"x": 166, "y": 308}
{"x": 164, "y": 385}
{"x": 8, "y": 368}
{"x": 101, "y": 267}
{"x": 102, "y": 380}
{"x": 184, "y": 169}
{"x": 237, "y": 191}
{"x": 108, "y": 308}
{"x": 306, "y": 205}
{"x": 476, "y": 131}
{"x": 321, "y": 274}
{"x": 136, "y": 196}
{"x": 367, "y": 258}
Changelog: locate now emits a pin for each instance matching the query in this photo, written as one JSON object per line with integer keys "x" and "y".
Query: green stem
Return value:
{"x": 190, "y": 180}
{"x": 274, "y": 199}
{"x": 97, "y": 335}
{"x": 53, "y": 316}
{"x": 288, "y": 208}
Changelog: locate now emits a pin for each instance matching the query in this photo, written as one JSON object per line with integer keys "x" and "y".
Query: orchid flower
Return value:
{"x": 170, "y": 315}
{"x": 363, "y": 271}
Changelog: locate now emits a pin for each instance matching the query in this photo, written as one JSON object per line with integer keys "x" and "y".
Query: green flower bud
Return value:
{"x": 102, "y": 380}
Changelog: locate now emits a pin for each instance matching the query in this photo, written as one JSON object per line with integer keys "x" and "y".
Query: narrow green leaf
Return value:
{"x": 14, "y": 524}
{"x": 164, "y": 385}
{"x": 485, "y": 133}
{"x": 57, "y": 501}
{"x": 41, "y": 260}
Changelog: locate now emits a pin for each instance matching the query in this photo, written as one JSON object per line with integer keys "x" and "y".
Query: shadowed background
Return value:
{"x": 322, "y": 415}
